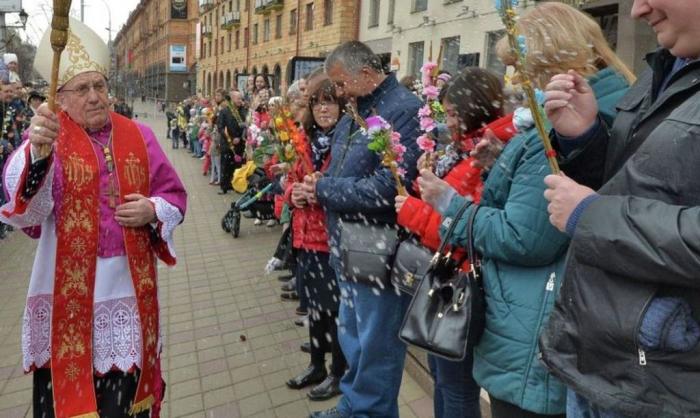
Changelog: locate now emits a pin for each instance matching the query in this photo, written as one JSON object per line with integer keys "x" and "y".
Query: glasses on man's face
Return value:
{"x": 83, "y": 89}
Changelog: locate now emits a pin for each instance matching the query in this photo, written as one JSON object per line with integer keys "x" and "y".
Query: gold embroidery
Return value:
{"x": 79, "y": 59}
{"x": 73, "y": 308}
{"x": 78, "y": 171}
{"x": 72, "y": 371}
{"x": 134, "y": 172}
{"x": 71, "y": 344}
{"x": 78, "y": 246}
{"x": 76, "y": 278}
{"x": 143, "y": 277}
{"x": 78, "y": 216}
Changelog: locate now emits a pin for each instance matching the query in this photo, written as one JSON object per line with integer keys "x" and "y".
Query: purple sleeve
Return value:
{"x": 165, "y": 182}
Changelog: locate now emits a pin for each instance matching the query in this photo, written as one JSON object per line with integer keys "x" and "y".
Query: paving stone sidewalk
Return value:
{"x": 230, "y": 343}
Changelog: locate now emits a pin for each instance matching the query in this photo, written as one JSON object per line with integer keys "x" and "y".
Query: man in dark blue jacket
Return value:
{"x": 357, "y": 187}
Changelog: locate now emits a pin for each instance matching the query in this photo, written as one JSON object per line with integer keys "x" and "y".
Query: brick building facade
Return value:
{"x": 155, "y": 50}
{"x": 281, "y": 38}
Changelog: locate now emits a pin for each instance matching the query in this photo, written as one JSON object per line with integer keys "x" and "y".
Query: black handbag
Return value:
{"x": 447, "y": 313}
{"x": 410, "y": 265}
{"x": 367, "y": 252}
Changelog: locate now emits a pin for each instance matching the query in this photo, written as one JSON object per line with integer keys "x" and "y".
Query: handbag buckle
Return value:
{"x": 408, "y": 279}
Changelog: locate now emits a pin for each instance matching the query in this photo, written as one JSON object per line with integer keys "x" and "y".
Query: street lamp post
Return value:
{"x": 23, "y": 16}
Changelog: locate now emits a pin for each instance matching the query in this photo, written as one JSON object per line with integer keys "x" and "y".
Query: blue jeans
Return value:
{"x": 368, "y": 333}
{"x": 197, "y": 147}
{"x": 579, "y": 407}
{"x": 456, "y": 393}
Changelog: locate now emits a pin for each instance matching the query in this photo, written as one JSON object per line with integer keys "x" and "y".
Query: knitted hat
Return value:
{"x": 445, "y": 77}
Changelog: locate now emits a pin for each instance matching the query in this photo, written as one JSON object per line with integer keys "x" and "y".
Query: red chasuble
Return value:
{"x": 77, "y": 235}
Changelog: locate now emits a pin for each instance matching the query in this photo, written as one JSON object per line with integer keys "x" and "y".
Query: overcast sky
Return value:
{"x": 96, "y": 16}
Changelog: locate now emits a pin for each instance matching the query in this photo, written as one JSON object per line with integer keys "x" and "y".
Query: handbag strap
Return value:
{"x": 470, "y": 237}
{"x": 453, "y": 224}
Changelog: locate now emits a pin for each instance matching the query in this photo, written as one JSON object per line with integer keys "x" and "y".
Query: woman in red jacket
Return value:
{"x": 310, "y": 238}
{"x": 473, "y": 104}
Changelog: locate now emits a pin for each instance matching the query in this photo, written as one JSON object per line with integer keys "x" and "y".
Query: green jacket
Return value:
{"x": 523, "y": 263}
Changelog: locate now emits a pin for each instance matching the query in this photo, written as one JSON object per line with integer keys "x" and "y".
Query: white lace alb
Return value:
{"x": 116, "y": 333}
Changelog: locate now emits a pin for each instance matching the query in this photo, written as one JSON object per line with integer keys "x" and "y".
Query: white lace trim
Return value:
{"x": 170, "y": 216}
{"x": 116, "y": 333}
{"x": 41, "y": 204}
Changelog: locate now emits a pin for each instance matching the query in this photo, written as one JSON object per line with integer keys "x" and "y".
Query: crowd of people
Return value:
{"x": 588, "y": 277}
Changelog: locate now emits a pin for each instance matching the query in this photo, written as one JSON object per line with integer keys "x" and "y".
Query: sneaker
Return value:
{"x": 302, "y": 321}
{"x": 289, "y": 296}
{"x": 328, "y": 413}
{"x": 271, "y": 223}
{"x": 327, "y": 389}
{"x": 257, "y": 222}
{"x": 285, "y": 277}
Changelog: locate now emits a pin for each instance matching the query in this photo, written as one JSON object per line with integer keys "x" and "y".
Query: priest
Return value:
{"x": 103, "y": 203}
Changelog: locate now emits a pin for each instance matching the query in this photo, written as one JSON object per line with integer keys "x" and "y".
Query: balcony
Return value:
{"x": 205, "y": 6}
{"x": 207, "y": 31}
{"x": 231, "y": 20}
{"x": 266, "y": 6}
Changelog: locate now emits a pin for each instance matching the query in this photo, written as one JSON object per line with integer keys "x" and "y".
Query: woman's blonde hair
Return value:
{"x": 560, "y": 38}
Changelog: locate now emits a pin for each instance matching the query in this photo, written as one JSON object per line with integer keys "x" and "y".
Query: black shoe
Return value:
{"x": 222, "y": 192}
{"x": 310, "y": 376}
{"x": 285, "y": 277}
{"x": 328, "y": 413}
{"x": 302, "y": 321}
{"x": 289, "y": 286}
{"x": 305, "y": 348}
{"x": 301, "y": 311}
{"x": 289, "y": 296}
{"x": 326, "y": 389}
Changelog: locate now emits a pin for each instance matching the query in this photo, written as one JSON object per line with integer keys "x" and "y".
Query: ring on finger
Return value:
{"x": 37, "y": 129}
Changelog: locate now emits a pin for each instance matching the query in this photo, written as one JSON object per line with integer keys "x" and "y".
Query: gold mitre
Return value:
{"x": 85, "y": 51}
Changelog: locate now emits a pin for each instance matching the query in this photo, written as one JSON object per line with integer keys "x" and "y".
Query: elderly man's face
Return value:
{"x": 13, "y": 66}
{"x": 85, "y": 100}
{"x": 237, "y": 98}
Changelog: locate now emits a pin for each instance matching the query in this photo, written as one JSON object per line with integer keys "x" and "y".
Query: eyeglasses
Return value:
{"x": 83, "y": 89}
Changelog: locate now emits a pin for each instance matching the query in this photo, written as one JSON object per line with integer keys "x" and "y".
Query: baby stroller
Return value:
{"x": 256, "y": 200}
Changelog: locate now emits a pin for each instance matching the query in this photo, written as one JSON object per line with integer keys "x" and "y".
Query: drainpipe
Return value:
{"x": 247, "y": 49}
{"x": 296, "y": 54}
{"x": 357, "y": 21}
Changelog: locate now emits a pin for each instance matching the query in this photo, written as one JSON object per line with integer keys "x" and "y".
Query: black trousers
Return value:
{"x": 323, "y": 332}
{"x": 502, "y": 409}
{"x": 228, "y": 166}
{"x": 115, "y": 392}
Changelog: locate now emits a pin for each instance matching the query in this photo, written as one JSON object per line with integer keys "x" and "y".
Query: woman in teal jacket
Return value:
{"x": 522, "y": 253}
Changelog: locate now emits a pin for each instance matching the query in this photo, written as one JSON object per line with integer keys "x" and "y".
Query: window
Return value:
{"x": 266, "y": 30}
{"x": 278, "y": 26}
{"x": 293, "y": 22}
{"x": 245, "y": 5}
{"x": 415, "y": 58}
{"x": 450, "y": 54}
{"x": 419, "y": 6}
{"x": 328, "y": 12}
{"x": 222, "y": 45}
{"x": 229, "y": 42}
{"x": 392, "y": 7}
{"x": 216, "y": 47}
{"x": 230, "y": 6}
{"x": 255, "y": 34}
{"x": 309, "y": 17}
{"x": 238, "y": 5}
{"x": 373, "y": 14}
{"x": 492, "y": 61}
{"x": 238, "y": 39}
{"x": 246, "y": 37}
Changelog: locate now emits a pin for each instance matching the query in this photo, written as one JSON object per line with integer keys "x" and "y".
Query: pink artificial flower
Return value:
{"x": 425, "y": 111}
{"x": 425, "y": 143}
{"x": 431, "y": 92}
{"x": 401, "y": 171}
{"x": 237, "y": 158}
{"x": 427, "y": 124}
{"x": 427, "y": 73}
{"x": 399, "y": 150}
{"x": 376, "y": 124}
{"x": 395, "y": 137}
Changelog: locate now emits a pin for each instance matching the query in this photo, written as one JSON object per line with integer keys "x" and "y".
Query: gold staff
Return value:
{"x": 59, "y": 38}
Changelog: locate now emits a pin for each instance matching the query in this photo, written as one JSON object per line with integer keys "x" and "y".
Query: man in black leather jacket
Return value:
{"x": 624, "y": 333}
